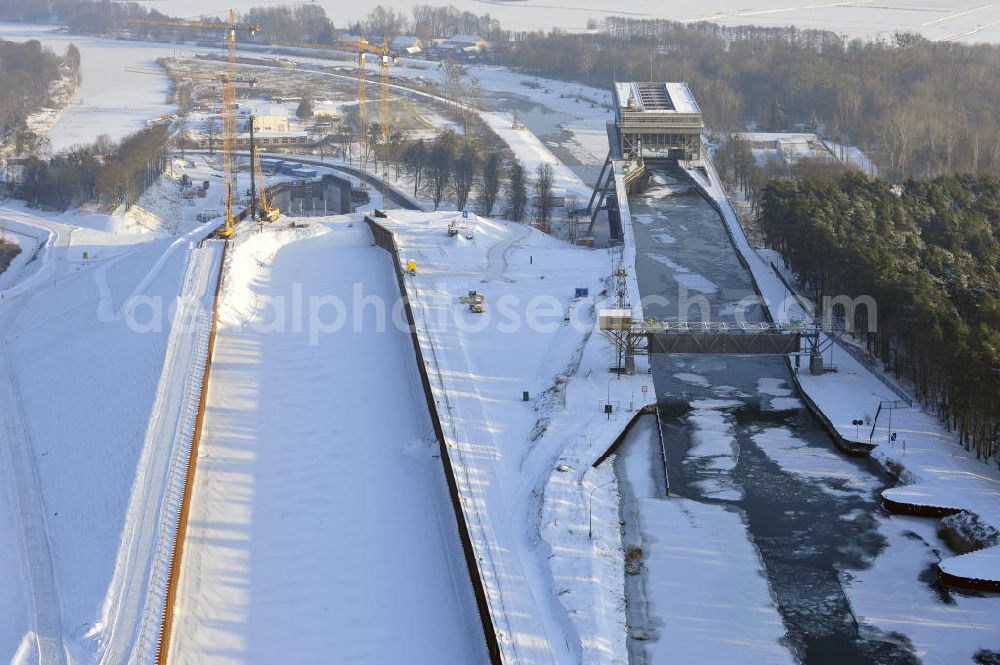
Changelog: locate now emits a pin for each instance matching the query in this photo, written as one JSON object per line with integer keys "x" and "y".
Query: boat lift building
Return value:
{"x": 654, "y": 121}
{"x": 657, "y": 120}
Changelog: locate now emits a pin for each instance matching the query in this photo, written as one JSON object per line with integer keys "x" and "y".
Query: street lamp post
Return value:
{"x": 590, "y": 531}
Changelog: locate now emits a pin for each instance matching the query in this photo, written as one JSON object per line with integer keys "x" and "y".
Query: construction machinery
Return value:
{"x": 475, "y": 300}
{"x": 231, "y": 28}
{"x": 267, "y": 212}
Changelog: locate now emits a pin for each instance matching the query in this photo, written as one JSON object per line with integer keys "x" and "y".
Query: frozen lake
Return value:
{"x": 111, "y": 100}
{"x": 960, "y": 20}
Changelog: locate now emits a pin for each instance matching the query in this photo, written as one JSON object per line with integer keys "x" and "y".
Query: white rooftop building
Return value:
{"x": 408, "y": 44}
{"x": 658, "y": 118}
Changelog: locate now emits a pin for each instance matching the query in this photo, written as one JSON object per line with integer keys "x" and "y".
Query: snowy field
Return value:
{"x": 81, "y": 364}
{"x": 961, "y": 20}
{"x": 320, "y": 528}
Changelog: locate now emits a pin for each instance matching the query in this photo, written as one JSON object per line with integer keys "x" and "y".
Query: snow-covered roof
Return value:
{"x": 406, "y": 41}
{"x": 467, "y": 39}
{"x": 268, "y": 135}
{"x": 660, "y": 97}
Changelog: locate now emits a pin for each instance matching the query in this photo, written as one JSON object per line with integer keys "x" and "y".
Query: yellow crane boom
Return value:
{"x": 267, "y": 211}
{"x": 386, "y": 57}
{"x": 364, "y": 47}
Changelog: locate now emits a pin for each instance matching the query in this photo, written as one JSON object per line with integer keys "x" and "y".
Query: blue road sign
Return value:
{"x": 892, "y": 437}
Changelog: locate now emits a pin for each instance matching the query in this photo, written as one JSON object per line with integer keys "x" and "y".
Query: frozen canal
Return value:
{"x": 320, "y": 527}
{"x": 747, "y": 462}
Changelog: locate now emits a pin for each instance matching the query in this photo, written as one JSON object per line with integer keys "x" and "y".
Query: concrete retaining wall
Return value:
{"x": 177, "y": 551}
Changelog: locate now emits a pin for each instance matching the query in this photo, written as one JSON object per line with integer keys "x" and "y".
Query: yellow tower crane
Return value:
{"x": 231, "y": 28}
{"x": 386, "y": 58}
{"x": 363, "y": 48}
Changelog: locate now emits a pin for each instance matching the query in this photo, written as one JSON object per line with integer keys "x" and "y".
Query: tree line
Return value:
{"x": 302, "y": 22}
{"x": 427, "y": 22}
{"x": 80, "y": 16}
{"x": 27, "y": 72}
{"x": 105, "y": 172}
{"x": 928, "y": 252}
{"x": 470, "y": 175}
{"x": 917, "y": 108}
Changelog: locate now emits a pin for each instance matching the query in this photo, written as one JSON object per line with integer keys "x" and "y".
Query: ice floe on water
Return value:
{"x": 832, "y": 473}
{"x": 697, "y": 282}
{"x": 695, "y": 379}
{"x": 775, "y": 387}
{"x": 784, "y": 403}
{"x": 663, "y": 191}
{"x": 670, "y": 263}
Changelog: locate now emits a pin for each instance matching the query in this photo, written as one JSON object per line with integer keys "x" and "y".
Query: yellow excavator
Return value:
{"x": 268, "y": 212}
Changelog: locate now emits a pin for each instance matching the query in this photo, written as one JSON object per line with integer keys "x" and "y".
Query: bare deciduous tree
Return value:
{"x": 465, "y": 172}
{"x": 489, "y": 184}
{"x": 517, "y": 192}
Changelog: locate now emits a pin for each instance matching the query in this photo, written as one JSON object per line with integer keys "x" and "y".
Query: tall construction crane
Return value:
{"x": 364, "y": 48}
{"x": 231, "y": 29}
{"x": 385, "y": 57}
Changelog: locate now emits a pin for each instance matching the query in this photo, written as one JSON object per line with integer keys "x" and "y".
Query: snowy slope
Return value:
{"x": 84, "y": 346}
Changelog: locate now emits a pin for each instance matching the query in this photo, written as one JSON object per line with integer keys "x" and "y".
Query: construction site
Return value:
{"x": 354, "y": 406}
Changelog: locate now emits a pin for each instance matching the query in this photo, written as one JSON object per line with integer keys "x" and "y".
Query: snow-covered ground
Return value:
{"x": 962, "y": 20}
{"x": 554, "y": 593}
{"x": 320, "y": 526}
{"x": 85, "y": 337}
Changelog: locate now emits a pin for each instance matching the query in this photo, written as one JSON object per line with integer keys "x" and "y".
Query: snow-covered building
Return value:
{"x": 265, "y": 140}
{"x": 659, "y": 118}
{"x": 787, "y": 148}
{"x": 465, "y": 43}
{"x": 326, "y": 113}
{"x": 270, "y": 123}
{"x": 408, "y": 44}
{"x": 266, "y": 118}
